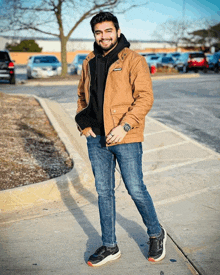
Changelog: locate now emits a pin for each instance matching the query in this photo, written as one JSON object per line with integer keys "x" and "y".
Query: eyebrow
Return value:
{"x": 109, "y": 29}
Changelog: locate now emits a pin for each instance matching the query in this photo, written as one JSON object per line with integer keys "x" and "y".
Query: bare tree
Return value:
{"x": 206, "y": 35}
{"x": 57, "y": 18}
{"x": 173, "y": 31}
{"x": 200, "y": 33}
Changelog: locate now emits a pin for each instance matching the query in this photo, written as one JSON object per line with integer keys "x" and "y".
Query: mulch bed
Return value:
{"x": 30, "y": 149}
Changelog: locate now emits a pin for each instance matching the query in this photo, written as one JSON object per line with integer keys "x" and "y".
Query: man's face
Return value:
{"x": 106, "y": 35}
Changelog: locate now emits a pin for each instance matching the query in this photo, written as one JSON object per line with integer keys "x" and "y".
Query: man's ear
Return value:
{"x": 119, "y": 33}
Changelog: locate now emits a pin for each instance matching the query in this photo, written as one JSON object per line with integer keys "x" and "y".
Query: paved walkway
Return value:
{"x": 53, "y": 226}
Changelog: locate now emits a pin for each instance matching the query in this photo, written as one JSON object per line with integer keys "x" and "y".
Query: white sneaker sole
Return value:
{"x": 107, "y": 259}
{"x": 164, "y": 250}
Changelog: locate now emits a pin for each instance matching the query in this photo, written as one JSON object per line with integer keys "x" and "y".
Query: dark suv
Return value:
{"x": 192, "y": 62}
{"x": 7, "y": 70}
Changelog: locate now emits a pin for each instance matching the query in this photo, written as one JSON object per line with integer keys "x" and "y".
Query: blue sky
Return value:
{"x": 140, "y": 23}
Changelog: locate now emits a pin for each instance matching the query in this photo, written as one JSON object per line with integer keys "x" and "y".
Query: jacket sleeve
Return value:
{"x": 81, "y": 102}
{"x": 142, "y": 93}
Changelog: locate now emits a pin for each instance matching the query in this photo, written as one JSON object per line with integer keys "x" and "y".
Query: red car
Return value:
{"x": 192, "y": 61}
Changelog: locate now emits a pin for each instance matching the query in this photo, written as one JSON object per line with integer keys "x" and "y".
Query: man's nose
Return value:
{"x": 104, "y": 35}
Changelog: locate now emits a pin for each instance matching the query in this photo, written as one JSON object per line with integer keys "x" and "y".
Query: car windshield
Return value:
{"x": 176, "y": 54}
{"x": 45, "y": 59}
{"x": 4, "y": 56}
{"x": 194, "y": 55}
{"x": 154, "y": 57}
{"x": 166, "y": 59}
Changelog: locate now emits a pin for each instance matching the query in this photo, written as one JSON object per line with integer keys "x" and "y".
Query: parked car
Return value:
{"x": 76, "y": 65}
{"x": 152, "y": 60}
{"x": 41, "y": 66}
{"x": 174, "y": 55}
{"x": 165, "y": 61}
{"x": 7, "y": 67}
{"x": 214, "y": 62}
{"x": 208, "y": 56}
{"x": 192, "y": 61}
{"x": 161, "y": 54}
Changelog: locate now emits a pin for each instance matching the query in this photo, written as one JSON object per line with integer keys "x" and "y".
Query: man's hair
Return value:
{"x": 103, "y": 17}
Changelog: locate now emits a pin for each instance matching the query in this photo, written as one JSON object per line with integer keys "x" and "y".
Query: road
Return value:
{"x": 191, "y": 106}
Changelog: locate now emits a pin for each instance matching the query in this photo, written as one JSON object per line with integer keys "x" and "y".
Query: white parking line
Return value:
{"x": 164, "y": 147}
{"x": 155, "y": 133}
{"x": 187, "y": 195}
{"x": 170, "y": 167}
{"x": 150, "y": 119}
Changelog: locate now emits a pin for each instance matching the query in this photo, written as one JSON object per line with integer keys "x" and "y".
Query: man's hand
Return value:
{"x": 116, "y": 135}
{"x": 90, "y": 133}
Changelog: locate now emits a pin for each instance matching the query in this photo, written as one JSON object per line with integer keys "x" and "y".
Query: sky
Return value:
{"x": 140, "y": 23}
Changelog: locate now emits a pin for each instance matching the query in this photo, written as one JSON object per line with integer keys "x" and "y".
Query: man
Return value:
{"x": 114, "y": 96}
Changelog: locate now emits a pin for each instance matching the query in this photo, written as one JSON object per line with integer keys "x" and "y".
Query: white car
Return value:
{"x": 42, "y": 66}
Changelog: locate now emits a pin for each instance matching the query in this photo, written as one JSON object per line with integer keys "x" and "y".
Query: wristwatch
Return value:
{"x": 126, "y": 127}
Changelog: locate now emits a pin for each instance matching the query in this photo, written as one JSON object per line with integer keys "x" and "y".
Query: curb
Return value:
{"x": 72, "y": 190}
{"x": 75, "y": 82}
{"x": 75, "y": 183}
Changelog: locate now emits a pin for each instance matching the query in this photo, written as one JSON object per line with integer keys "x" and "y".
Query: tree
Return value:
{"x": 173, "y": 31}
{"x": 206, "y": 37}
{"x": 24, "y": 46}
{"x": 53, "y": 17}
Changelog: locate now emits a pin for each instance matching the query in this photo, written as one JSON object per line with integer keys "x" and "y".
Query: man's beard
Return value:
{"x": 110, "y": 47}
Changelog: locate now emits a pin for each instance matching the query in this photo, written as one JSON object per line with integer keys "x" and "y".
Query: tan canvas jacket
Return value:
{"x": 128, "y": 94}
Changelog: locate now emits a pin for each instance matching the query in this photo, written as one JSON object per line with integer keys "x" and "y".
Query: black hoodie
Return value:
{"x": 99, "y": 66}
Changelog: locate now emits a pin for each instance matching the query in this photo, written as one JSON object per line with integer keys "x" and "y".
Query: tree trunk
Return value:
{"x": 63, "y": 41}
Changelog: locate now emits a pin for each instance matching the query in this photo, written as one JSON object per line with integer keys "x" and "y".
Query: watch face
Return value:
{"x": 127, "y": 127}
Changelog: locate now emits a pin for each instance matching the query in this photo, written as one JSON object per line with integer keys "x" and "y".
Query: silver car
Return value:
{"x": 76, "y": 65}
{"x": 42, "y": 66}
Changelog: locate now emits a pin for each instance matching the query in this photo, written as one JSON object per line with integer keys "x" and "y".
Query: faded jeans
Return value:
{"x": 129, "y": 158}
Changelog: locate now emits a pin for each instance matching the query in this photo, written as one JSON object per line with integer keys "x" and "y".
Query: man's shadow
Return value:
{"x": 134, "y": 230}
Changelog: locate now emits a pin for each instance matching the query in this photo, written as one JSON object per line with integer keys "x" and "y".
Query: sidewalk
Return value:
{"x": 53, "y": 226}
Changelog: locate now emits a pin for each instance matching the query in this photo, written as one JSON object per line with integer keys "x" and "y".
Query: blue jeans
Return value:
{"x": 103, "y": 161}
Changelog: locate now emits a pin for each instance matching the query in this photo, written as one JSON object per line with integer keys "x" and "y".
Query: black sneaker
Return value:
{"x": 157, "y": 249}
{"x": 103, "y": 255}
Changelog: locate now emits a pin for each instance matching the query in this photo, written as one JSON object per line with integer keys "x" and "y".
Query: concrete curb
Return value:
{"x": 75, "y": 82}
{"x": 78, "y": 180}
{"x": 55, "y": 194}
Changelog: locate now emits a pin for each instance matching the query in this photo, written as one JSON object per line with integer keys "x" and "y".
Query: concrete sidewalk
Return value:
{"x": 53, "y": 226}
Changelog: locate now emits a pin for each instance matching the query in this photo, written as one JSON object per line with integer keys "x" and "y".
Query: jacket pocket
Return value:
{"x": 118, "y": 112}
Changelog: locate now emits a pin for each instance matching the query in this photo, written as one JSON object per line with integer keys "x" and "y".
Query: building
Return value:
{"x": 53, "y": 44}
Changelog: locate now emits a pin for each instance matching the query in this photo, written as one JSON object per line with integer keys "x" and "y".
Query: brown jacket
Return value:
{"x": 128, "y": 94}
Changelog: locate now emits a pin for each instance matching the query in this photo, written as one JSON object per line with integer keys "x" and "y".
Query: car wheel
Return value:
{"x": 12, "y": 80}
{"x": 185, "y": 69}
{"x": 196, "y": 71}
{"x": 205, "y": 70}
